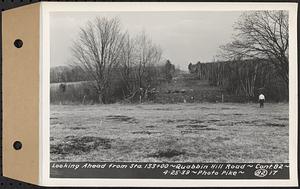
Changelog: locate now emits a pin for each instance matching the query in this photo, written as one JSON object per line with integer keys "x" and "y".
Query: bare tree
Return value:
{"x": 262, "y": 34}
{"x": 147, "y": 56}
{"x": 97, "y": 51}
{"x": 127, "y": 63}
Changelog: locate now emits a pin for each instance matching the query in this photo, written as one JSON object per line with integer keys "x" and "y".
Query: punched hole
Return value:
{"x": 17, "y": 145}
{"x": 18, "y": 43}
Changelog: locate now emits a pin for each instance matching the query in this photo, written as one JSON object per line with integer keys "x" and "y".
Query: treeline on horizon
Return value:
{"x": 238, "y": 78}
{"x": 244, "y": 78}
{"x": 67, "y": 74}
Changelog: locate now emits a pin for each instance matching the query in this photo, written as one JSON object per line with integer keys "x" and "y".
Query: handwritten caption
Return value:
{"x": 193, "y": 170}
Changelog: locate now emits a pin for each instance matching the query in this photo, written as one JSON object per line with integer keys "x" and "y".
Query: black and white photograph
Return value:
{"x": 169, "y": 86}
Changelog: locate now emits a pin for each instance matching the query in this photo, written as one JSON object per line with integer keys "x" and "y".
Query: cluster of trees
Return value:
{"x": 257, "y": 58}
{"x": 72, "y": 85}
{"x": 245, "y": 78}
{"x": 117, "y": 62}
{"x": 120, "y": 66}
{"x": 169, "y": 71}
{"x": 262, "y": 35}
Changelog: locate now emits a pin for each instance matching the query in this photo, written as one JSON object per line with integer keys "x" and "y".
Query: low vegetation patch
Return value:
{"x": 208, "y": 129}
{"x": 121, "y": 118}
{"x": 189, "y": 131}
{"x": 163, "y": 109}
{"x": 222, "y": 124}
{"x": 205, "y": 108}
{"x": 275, "y": 125}
{"x": 282, "y": 118}
{"x": 56, "y": 122}
{"x": 78, "y": 128}
{"x": 244, "y": 122}
{"x": 190, "y": 121}
{"x": 191, "y": 126}
{"x": 213, "y": 120}
{"x": 79, "y": 145}
{"x": 145, "y": 132}
{"x": 220, "y": 139}
{"x": 168, "y": 153}
{"x": 238, "y": 114}
{"x": 172, "y": 121}
{"x": 195, "y": 121}
{"x": 226, "y": 108}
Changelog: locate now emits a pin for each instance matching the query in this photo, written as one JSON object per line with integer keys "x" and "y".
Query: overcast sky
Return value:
{"x": 183, "y": 36}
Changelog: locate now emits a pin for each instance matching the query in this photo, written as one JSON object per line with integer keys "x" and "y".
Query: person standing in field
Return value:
{"x": 261, "y": 100}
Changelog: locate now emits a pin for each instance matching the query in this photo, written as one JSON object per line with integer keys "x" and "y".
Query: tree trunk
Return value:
{"x": 100, "y": 98}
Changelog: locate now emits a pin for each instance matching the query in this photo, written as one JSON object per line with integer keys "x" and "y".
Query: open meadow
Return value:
{"x": 190, "y": 132}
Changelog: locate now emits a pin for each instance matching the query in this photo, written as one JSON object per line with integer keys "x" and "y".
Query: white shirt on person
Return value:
{"x": 261, "y": 97}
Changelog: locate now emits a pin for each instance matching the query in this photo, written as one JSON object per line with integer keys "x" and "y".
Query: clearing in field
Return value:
{"x": 205, "y": 132}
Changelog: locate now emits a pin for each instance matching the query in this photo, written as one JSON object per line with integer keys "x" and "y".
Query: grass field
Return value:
{"x": 206, "y": 132}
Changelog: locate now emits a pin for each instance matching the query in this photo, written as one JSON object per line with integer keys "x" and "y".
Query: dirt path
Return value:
{"x": 186, "y": 88}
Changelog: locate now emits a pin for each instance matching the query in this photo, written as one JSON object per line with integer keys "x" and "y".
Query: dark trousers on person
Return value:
{"x": 261, "y": 103}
